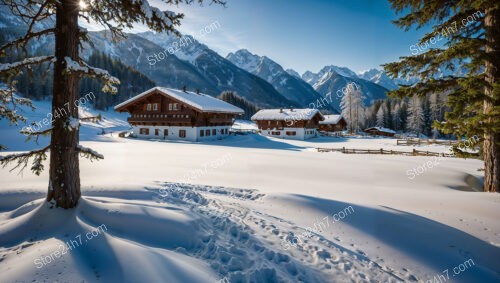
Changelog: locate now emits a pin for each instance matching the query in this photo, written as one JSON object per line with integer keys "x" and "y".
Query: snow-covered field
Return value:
{"x": 251, "y": 209}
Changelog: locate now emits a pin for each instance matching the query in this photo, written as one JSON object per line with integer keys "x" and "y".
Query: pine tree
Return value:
{"x": 404, "y": 115}
{"x": 436, "y": 113}
{"x": 396, "y": 118}
{"x": 353, "y": 109}
{"x": 469, "y": 31}
{"x": 68, "y": 69}
{"x": 415, "y": 121}
{"x": 233, "y": 98}
{"x": 381, "y": 116}
{"x": 426, "y": 109}
{"x": 388, "y": 114}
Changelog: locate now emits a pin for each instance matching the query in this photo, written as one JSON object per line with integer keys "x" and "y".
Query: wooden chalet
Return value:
{"x": 379, "y": 131}
{"x": 291, "y": 123}
{"x": 333, "y": 123}
{"x": 174, "y": 114}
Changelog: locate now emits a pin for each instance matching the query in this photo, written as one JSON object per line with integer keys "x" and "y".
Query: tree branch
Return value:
{"x": 83, "y": 68}
{"x": 8, "y": 67}
{"x": 23, "y": 159}
{"x": 24, "y": 40}
{"x": 89, "y": 153}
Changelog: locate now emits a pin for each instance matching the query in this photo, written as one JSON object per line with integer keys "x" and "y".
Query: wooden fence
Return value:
{"x": 385, "y": 151}
{"x": 419, "y": 142}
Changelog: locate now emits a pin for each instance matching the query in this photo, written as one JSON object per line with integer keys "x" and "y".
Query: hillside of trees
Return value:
{"x": 235, "y": 99}
{"x": 132, "y": 82}
{"x": 417, "y": 115}
{"x": 413, "y": 115}
{"x": 36, "y": 82}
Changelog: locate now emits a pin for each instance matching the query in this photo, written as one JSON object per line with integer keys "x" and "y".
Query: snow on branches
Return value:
{"x": 6, "y": 68}
{"x": 7, "y": 96}
{"x": 89, "y": 153}
{"x": 151, "y": 12}
{"x": 23, "y": 159}
{"x": 93, "y": 72}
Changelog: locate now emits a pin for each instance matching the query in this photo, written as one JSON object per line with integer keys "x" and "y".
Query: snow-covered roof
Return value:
{"x": 202, "y": 102}
{"x": 381, "y": 129}
{"x": 286, "y": 114}
{"x": 331, "y": 119}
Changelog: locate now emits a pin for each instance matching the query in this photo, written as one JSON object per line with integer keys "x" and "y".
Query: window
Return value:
{"x": 144, "y": 131}
{"x": 269, "y": 123}
{"x": 202, "y": 133}
{"x": 148, "y": 107}
{"x": 182, "y": 133}
{"x": 157, "y": 132}
{"x": 275, "y": 133}
{"x": 165, "y": 132}
{"x": 207, "y": 133}
{"x": 214, "y": 132}
{"x": 176, "y": 106}
{"x": 170, "y": 106}
{"x": 155, "y": 106}
{"x": 291, "y": 133}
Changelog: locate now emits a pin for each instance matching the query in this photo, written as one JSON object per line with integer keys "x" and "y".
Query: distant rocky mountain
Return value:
{"x": 177, "y": 62}
{"x": 290, "y": 86}
{"x": 312, "y": 78}
{"x": 193, "y": 65}
{"x": 217, "y": 73}
{"x": 330, "y": 81}
{"x": 293, "y": 73}
{"x": 379, "y": 77}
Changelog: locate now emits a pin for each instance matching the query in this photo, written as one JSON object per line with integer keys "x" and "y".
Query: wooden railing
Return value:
{"x": 220, "y": 120}
{"x": 420, "y": 141}
{"x": 385, "y": 151}
{"x": 159, "y": 120}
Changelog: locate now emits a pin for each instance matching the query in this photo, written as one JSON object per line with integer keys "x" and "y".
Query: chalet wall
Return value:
{"x": 287, "y": 133}
{"x": 173, "y": 132}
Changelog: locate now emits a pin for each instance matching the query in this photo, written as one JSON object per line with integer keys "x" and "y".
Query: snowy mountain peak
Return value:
{"x": 310, "y": 77}
{"x": 245, "y": 60}
{"x": 327, "y": 71}
{"x": 255, "y": 64}
{"x": 379, "y": 77}
{"x": 370, "y": 73}
{"x": 343, "y": 71}
{"x": 293, "y": 73}
{"x": 289, "y": 85}
{"x": 186, "y": 48}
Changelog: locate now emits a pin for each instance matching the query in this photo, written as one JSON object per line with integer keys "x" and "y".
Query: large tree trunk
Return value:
{"x": 64, "y": 182}
{"x": 491, "y": 136}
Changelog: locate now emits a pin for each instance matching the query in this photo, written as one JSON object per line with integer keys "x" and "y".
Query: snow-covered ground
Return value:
{"x": 251, "y": 209}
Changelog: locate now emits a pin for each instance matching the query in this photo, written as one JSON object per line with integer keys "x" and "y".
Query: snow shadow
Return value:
{"x": 432, "y": 244}
{"x": 250, "y": 141}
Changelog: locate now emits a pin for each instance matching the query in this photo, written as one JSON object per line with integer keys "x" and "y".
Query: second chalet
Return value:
{"x": 298, "y": 124}
{"x": 173, "y": 114}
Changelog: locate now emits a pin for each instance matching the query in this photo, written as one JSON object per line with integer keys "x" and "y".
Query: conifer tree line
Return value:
{"x": 133, "y": 82}
{"x": 236, "y": 100}
{"x": 417, "y": 114}
{"x": 36, "y": 82}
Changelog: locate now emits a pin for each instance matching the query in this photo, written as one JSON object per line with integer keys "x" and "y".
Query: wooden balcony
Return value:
{"x": 161, "y": 120}
{"x": 220, "y": 120}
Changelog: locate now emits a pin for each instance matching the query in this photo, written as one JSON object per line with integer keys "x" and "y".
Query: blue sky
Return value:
{"x": 303, "y": 35}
